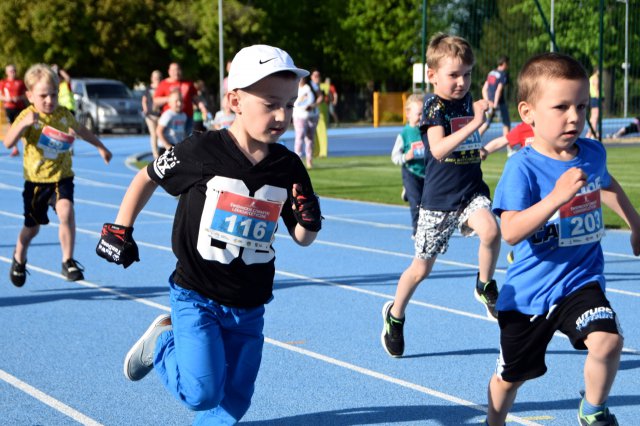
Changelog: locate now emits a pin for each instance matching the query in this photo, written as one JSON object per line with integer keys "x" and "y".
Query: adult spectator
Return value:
{"x": 322, "y": 144}
{"x": 13, "y": 94}
{"x": 187, "y": 90}
{"x": 152, "y": 112}
{"x": 494, "y": 92}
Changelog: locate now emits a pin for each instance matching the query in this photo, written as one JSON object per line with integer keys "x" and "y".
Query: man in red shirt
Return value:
{"x": 13, "y": 97}
{"x": 188, "y": 91}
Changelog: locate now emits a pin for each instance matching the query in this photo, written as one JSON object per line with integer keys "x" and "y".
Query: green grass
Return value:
{"x": 375, "y": 178}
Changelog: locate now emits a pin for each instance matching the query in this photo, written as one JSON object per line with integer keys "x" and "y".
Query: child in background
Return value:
{"x": 454, "y": 195}
{"x": 235, "y": 183}
{"x": 408, "y": 152}
{"x": 223, "y": 118}
{"x": 548, "y": 200}
{"x": 171, "y": 123}
{"x": 633, "y": 127}
{"x": 45, "y": 127}
{"x": 519, "y": 137}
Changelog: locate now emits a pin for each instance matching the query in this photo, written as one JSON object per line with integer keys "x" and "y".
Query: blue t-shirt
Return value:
{"x": 494, "y": 78}
{"x": 452, "y": 182}
{"x": 565, "y": 253}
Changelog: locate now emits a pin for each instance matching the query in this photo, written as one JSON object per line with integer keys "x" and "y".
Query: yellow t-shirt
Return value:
{"x": 37, "y": 167}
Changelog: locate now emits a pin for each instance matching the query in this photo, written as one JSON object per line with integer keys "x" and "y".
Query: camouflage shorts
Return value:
{"x": 435, "y": 227}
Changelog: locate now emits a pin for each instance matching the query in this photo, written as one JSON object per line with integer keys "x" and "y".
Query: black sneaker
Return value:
{"x": 18, "y": 272}
{"x": 392, "y": 336}
{"x": 72, "y": 270}
{"x": 487, "y": 294}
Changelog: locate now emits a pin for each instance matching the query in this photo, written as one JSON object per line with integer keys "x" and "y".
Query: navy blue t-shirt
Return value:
{"x": 451, "y": 183}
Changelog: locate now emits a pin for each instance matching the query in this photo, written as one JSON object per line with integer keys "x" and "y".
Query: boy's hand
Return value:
{"x": 568, "y": 184}
{"x": 409, "y": 155}
{"x": 105, "y": 154}
{"x": 483, "y": 154}
{"x": 480, "y": 107}
{"x": 117, "y": 245}
{"x": 306, "y": 208}
{"x": 30, "y": 119}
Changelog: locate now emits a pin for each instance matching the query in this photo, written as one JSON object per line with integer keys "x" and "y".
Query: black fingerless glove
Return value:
{"x": 116, "y": 245}
{"x": 306, "y": 210}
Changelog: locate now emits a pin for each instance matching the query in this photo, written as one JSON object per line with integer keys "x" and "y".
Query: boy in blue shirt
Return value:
{"x": 548, "y": 200}
{"x": 454, "y": 194}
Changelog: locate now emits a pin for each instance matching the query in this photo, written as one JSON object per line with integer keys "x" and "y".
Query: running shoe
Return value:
{"x": 18, "y": 272}
{"x": 72, "y": 270}
{"x": 601, "y": 418}
{"x": 139, "y": 360}
{"x": 392, "y": 336}
{"x": 487, "y": 294}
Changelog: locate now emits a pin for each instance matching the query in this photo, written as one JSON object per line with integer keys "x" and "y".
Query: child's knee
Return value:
{"x": 200, "y": 396}
{"x": 604, "y": 345}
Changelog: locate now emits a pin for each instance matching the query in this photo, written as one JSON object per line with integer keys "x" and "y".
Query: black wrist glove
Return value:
{"x": 306, "y": 209}
{"x": 116, "y": 245}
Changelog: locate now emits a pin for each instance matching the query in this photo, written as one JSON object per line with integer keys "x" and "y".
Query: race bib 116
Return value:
{"x": 245, "y": 221}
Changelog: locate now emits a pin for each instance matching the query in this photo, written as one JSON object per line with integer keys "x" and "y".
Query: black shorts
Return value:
{"x": 524, "y": 338}
{"x": 37, "y": 197}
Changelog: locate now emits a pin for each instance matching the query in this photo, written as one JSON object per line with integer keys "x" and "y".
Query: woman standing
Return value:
{"x": 151, "y": 112}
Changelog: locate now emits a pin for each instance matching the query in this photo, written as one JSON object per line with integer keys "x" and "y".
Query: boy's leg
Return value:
{"x": 24, "y": 239}
{"x": 501, "y": 395}
{"x": 413, "y": 188}
{"x": 484, "y": 224}
{"x": 67, "y": 229}
{"x": 243, "y": 342}
{"x": 601, "y": 365}
{"x": 408, "y": 283}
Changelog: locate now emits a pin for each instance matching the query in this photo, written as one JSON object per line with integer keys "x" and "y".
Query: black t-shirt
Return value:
{"x": 227, "y": 215}
{"x": 451, "y": 183}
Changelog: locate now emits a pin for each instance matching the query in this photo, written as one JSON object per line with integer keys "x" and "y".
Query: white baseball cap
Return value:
{"x": 256, "y": 62}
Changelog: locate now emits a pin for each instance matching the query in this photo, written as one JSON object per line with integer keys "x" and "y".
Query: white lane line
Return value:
{"x": 315, "y": 355}
{"x": 48, "y": 400}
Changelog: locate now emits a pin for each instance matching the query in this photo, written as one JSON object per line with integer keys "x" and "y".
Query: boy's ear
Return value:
{"x": 233, "y": 100}
{"x": 526, "y": 112}
{"x": 29, "y": 96}
{"x": 431, "y": 73}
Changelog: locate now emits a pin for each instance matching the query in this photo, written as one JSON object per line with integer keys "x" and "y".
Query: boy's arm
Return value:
{"x": 138, "y": 194}
{"x": 17, "y": 129}
{"x": 493, "y": 146}
{"x": 518, "y": 225}
{"x": 306, "y": 210}
{"x": 485, "y": 93}
{"x": 498, "y": 94}
{"x": 617, "y": 200}
{"x": 88, "y": 136}
{"x": 397, "y": 156}
{"x": 441, "y": 146}
{"x": 163, "y": 140}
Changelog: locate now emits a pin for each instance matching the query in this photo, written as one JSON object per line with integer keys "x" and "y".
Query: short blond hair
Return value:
{"x": 444, "y": 45}
{"x": 546, "y": 66}
{"x": 37, "y": 72}
{"x": 417, "y": 98}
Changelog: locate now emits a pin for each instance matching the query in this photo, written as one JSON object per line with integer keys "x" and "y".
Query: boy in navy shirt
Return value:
{"x": 454, "y": 194}
{"x": 548, "y": 200}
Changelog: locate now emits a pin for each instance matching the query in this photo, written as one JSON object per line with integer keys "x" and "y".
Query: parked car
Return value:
{"x": 104, "y": 105}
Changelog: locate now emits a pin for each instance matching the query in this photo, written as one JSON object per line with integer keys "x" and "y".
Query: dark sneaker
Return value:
{"x": 72, "y": 270}
{"x": 392, "y": 336}
{"x": 601, "y": 418}
{"x": 139, "y": 361}
{"x": 487, "y": 294}
{"x": 18, "y": 272}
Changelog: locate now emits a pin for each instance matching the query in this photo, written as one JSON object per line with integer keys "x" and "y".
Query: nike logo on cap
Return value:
{"x": 264, "y": 62}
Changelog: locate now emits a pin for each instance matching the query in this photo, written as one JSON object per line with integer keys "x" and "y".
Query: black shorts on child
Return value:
{"x": 37, "y": 197}
{"x": 524, "y": 338}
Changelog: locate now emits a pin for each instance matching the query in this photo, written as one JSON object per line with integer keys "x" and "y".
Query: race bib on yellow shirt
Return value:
{"x": 244, "y": 221}
{"x": 581, "y": 220}
{"x": 54, "y": 142}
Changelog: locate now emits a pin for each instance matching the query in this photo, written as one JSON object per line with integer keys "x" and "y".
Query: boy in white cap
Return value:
{"x": 234, "y": 185}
